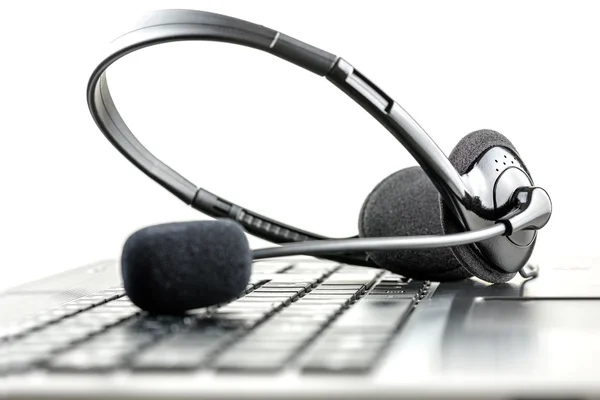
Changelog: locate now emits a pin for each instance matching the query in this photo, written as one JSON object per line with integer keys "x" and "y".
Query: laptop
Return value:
{"x": 307, "y": 328}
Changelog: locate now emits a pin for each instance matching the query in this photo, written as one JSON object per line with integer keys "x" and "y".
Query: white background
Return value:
{"x": 273, "y": 137}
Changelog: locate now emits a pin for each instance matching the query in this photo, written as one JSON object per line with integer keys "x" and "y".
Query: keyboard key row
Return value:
{"x": 37, "y": 321}
{"x": 41, "y": 344}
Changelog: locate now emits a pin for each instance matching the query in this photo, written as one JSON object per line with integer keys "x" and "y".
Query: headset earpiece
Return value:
{"x": 463, "y": 156}
{"x": 406, "y": 203}
{"x": 398, "y": 217}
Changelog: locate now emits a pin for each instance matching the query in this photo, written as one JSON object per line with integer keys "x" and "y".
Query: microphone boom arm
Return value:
{"x": 380, "y": 244}
{"x": 532, "y": 210}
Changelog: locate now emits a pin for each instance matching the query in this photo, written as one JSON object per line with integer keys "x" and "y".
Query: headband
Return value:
{"x": 177, "y": 25}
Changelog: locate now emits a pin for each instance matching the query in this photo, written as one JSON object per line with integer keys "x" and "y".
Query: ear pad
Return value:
{"x": 406, "y": 203}
{"x": 464, "y": 155}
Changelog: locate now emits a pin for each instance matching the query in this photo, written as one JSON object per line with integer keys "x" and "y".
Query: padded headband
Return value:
{"x": 176, "y": 25}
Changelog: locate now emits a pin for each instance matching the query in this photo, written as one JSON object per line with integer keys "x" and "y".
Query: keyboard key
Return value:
{"x": 306, "y": 271}
{"x": 391, "y": 277}
{"x": 215, "y": 327}
{"x": 289, "y": 291}
{"x": 343, "y": 298}
{"x": 101, "y": 311}
{"x": 414, "y": 287}
{"x": 238, "y": 314}
{"x": 350, "y": 342}
{"x": 305, "y": 318}
{"x": 77, "y": 307}
{"x": 240, "y": 324}
{"x": 320, "y": 295}
{"x": 349, "y": 280}
{"x": 311, "y": 307}
{"x": 375, "y": 314}
{"x": 119, "y": 306}
{"x": 341, "y": 286}
{"x": 20, "y": 328}
{"x": 266, "y": 346}
{"x": 278, "y": 301}
{"x": 15, "y": 362}
{"x": 366, "y": 277}
{"x": 314, "y": 307}
{"x": 268, "y": 304}
{"x": 266, "y": 294}
{"x": 60, "y": 331}
{"x": 151, "y": 324}
{"x": 283, "y": 330}
{"x": 344, "y": 362}
{"x": 383, "y": 296}
{"x": 282, "y": 285}
{"x": 333, "y": 336}
{"x": 58, "y": 313}
{"x": 268, "y": 300}
{"x": 23, "y": 348}
{"x": 337, "y": 292}
{"x": 206, "y": 337}
{"x": 34, "y": 339}
{"x": 320, "y": 301}
{"x": 252, "y": 361}
{"x": 306, "y": 281}
{"x": 252, "y": 306}
{"x": 160, "y": 358}
{"x": 88, "y": 359}
{"x": 120, "y": 339}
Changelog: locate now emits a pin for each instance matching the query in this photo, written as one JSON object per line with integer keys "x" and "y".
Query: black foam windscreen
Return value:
{"x": 406, "y": 203}
{"x": 464, "y": 155}
{"x": 171, "y": 268}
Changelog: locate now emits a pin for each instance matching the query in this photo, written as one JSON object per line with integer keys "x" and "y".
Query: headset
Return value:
{"x": 473, "y": 213}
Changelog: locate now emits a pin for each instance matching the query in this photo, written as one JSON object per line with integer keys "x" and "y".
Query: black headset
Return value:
{"x": 475, "y": 212}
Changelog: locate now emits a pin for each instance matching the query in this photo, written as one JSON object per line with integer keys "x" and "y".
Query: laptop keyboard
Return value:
{"x": 316, "y": 317}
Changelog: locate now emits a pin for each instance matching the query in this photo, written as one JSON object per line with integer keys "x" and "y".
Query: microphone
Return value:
{"x": 171, "y": 268}
{"x": 175, "y": 267}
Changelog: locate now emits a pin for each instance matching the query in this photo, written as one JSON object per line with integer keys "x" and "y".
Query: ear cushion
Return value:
{"x": 464, "y": 155}
{"x": 406, "y": 203}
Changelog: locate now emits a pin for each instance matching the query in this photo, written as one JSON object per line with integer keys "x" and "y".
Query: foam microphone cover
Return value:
{"x": 171, "y": 268}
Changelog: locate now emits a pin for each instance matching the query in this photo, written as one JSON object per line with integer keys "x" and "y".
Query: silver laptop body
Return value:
{"x": 385, "y": 338}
